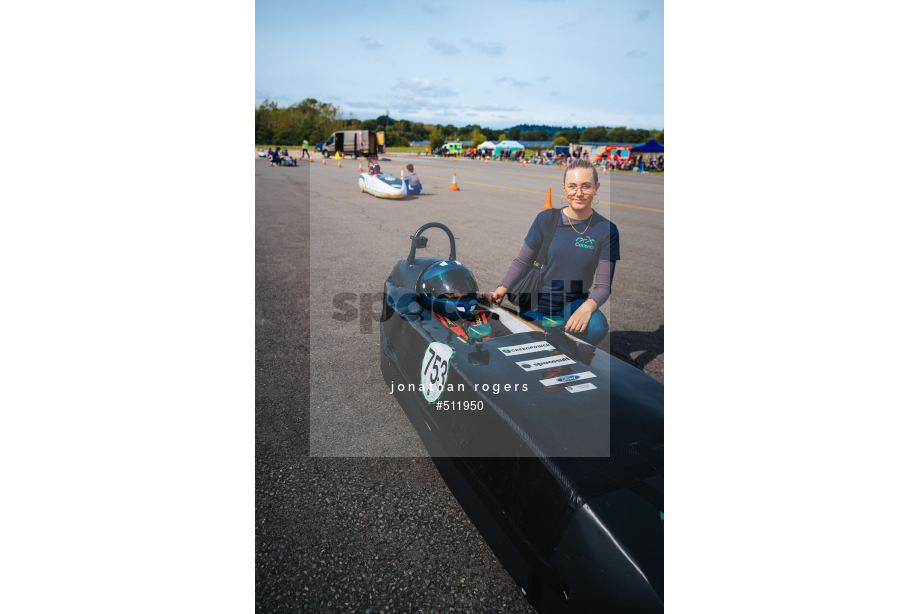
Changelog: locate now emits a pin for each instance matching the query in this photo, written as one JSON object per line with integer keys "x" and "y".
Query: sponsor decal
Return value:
{"x": 581, "y": 387}
{"x": 562, "y": 379}
{"x": 526, "y": 348}
{"x": 542, "y": 363}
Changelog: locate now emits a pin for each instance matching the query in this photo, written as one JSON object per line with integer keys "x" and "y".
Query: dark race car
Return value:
{"x": 553, "y": 447}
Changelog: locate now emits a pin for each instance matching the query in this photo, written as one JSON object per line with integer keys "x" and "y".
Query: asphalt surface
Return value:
{"x": 351, "y": 514}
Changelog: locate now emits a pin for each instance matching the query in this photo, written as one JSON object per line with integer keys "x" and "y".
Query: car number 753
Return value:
{"x": 435, "y": 365}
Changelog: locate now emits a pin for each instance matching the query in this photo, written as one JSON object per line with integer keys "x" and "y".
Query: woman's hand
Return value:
{"x": 497, "y": 296}
{"x": 578, "y": 322}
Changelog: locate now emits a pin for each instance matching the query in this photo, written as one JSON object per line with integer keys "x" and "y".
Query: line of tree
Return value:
{"x": 314, "y": 121}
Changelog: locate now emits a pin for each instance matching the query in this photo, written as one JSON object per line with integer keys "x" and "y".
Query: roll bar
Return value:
{"x": 419, "y": 241}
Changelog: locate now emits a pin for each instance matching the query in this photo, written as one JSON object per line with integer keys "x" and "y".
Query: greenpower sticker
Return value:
{"x": 435, "y": 365}
{"x": 526, "y": 348}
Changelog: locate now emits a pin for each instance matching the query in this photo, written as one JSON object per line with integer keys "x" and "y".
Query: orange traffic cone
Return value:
{"x": 324, "y": 161}
{"x": 605, "y": 170}
{"x": 416, "y": 155}
{"x": 402, "y": 172}
{"x": 549, "y": 199}
{"x": 453, "y": 186}
{"x": 340, "y": 164}
{"x": 360, "y": 170}
{"x": 523, "y": 162}
{"x": 311, "y": 159}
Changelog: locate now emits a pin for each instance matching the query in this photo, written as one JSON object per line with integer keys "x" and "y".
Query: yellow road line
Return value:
{"x": 519, "y": 174}
{"x": 502, "y": 187}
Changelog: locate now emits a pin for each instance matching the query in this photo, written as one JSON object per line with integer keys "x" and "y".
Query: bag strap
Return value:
{"x": 548, "y": 238}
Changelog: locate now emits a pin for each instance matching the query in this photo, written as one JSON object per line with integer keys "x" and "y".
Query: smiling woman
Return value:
{"x": 577, "y": 273}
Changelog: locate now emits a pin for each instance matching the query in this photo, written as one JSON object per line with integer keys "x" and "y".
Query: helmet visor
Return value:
{"x": 452, "y": 281}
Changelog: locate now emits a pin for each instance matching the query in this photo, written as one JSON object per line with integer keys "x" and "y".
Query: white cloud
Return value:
{"x": 443, "y": 47}
{"x": 484, "y": 48}
{"x": 493, "y": 107}
{"x": 514, "y": 82}
{"x": 370, "y": 43}
{"x": 423, "y": 87}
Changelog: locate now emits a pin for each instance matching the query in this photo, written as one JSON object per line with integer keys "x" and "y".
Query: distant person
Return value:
{"x": 305, "y": 149}
{"x": 413, "y": 184}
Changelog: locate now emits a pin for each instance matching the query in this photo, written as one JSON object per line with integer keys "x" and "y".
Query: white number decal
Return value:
{"x": 435, "y": 365}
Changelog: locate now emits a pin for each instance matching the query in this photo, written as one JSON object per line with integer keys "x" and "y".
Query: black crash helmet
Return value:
{"x": 448, "y": 277}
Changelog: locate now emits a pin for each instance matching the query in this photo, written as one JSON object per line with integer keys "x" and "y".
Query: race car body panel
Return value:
{"x": 553, "y": 447}
{"x": 382, "y": 186}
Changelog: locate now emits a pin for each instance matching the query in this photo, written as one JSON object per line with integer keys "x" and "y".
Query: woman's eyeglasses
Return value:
{"x": 585, "y": 187}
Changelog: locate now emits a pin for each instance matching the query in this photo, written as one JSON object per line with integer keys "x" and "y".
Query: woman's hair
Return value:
{"x": 580, "y": 163}
{"x": 410, "y": 168}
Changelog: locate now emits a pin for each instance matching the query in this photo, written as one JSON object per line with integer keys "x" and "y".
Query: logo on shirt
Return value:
{"x": 586, "y": 242}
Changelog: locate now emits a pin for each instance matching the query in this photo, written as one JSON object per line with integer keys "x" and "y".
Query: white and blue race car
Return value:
{"x": 382, "y": 186}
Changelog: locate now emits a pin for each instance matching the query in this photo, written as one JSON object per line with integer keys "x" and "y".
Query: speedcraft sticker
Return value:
{"x": 542, "y": 363}
{"x": 435, "y": 364}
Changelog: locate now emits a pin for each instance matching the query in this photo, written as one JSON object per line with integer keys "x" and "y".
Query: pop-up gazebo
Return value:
{"x": 651, "y": 147}
{"x": 509, "y": 145}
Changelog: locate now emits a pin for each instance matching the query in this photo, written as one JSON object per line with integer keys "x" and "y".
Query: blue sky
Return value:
{"x": 496, "y": 64}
